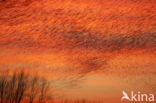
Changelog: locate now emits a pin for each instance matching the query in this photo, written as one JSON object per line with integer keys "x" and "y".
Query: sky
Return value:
{"x": 90, "y": 49}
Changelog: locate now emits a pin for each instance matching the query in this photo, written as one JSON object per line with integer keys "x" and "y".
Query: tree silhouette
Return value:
{"x": 14, "y": 88}
{"x": 44, "y": 84}
{"x": 33, "y": 89}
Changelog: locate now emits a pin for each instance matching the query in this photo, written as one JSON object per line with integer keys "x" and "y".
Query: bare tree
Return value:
{"x": 21, "y": 87}
{"x": 43, "y": 90}
{"x": 33, "y": 88}
{"x": 14, "y": 88}
{"x": 3, "y": 83}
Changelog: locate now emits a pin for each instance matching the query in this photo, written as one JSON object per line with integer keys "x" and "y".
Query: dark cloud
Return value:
{"x": 86, "y": 40}
{"x": 106, "y": 41}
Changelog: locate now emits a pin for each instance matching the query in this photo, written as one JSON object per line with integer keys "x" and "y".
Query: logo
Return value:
{"x": 137, "y": 97}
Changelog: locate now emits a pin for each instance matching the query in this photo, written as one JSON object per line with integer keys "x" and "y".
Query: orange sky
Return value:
{"x": 78, "y": 40}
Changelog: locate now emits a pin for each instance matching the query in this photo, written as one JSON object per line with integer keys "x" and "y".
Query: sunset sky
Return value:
{"x": 89, "y": 49}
